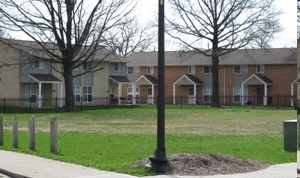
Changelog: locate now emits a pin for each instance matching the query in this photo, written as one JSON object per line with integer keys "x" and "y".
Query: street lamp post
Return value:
{"x": 158, "y": 160}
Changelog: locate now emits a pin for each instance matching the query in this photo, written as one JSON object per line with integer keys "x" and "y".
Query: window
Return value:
{"x": 237, "y": 95}
{"x": 207, "y": 69}
{"x": 130, "y": 94}
{"x": 191, "y": 69}
{"x": 87, "y": 94}
{"x": 117, "y": 67}
{"x": 31, "y": 93}
{"x": 38, "y": 64}
{"x": 133, "y": 70}
{"x": 87, "y": 65}
{"x": 240, "y": 69}
{"x": 76, "y": 94}
{"x": 150, "y": 70}
{"x": 207, "y": 94}
{"x": 260, "y": 69}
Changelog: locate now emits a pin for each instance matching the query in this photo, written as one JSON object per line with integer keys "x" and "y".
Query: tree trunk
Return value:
{"x": 69, "y": 101}
{"x": 215, "y": 81}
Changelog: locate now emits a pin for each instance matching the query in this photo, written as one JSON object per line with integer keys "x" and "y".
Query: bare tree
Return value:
{"x": 130, "y": 36}
{"x": 226, "y": 25}
{"x": 298, "y": 19}
{"x": 68, "y": 31}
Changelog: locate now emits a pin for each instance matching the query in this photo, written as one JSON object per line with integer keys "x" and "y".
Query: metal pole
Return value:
{"x": 158, "y": 160}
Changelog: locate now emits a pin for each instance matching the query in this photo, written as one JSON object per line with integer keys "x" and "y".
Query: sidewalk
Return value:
{"x": 37, "y": 167}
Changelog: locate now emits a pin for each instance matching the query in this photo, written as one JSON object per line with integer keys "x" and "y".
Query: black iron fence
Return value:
{"x": 35, "y": 105}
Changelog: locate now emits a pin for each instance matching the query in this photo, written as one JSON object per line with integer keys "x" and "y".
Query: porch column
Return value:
{"x": 40, "y": 95}
{"x": 265, "y": 94}
{"x": 152, "y": 94}
{"x": 242, "y": 95}
{"x": 174, "y": 94}
{"x": 133, "y": 86}
{"x": 119, "y": 92}
{"x": 292, "y": 93}
{"x": 195, "y": 93}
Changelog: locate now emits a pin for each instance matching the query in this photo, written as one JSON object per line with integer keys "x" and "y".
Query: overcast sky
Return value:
{"x": 288, "y": 20}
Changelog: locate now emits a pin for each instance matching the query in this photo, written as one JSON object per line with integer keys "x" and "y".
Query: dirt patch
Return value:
{"x": 200, "y": 164}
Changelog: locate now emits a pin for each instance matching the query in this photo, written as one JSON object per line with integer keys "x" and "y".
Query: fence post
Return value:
{"x": 181, "y": 102}
{"x": 4, "y": 105}
{"x": 53, "y": 135}
{"x": 30, "y": 100}
{"x": 1, "y": 129}
{"x": 31, "y": 133}
{"x": 15, "y": 132}
{"x": 56, "y": 104}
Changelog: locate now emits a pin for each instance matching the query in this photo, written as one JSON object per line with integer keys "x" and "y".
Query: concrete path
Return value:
{"x": 23, "y": 165}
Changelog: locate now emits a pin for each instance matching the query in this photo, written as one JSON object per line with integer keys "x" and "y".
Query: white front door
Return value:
{"x": 191, "y": 97}
{"x": 149, "y": 96}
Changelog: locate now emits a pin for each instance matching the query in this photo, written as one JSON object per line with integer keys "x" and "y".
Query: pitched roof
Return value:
{"x": 239, "y": 57}
{"x": 120, "y": 79}
{"x": 188, "y": 79}
{"x": 34, "y": 49}
{"x": 257, "y": 79}
{"x": 45, "y": 78}
{"x": 147, "y": 80}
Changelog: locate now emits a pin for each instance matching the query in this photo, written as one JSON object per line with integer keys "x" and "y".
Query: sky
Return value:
{"x": 287, "y": 38}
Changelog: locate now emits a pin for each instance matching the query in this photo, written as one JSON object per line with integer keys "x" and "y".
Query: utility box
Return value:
{"x": 290, "y": 135}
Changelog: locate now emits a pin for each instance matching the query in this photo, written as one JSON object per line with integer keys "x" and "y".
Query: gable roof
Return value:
{"x": 34, "y": 49}
{"x": 188, "y": 79}
{"x": 238, "y": 57}
{"x": 45, "y": 78}
{"x": 257, "y": 79}
{"x": 146, "y": 80}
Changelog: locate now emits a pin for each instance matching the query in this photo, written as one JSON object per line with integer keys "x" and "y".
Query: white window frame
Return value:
{"x": 130, "y": 94}
{"x": 237, "y": 92}
{"x": 260, "y": 69}
{"x": 76, "y": 94}
{"x": 117, "y": 67}
{"x": 134, "y": 70}
{"x": 191, "y": 69}
{"x": 150, "y": 70}
{"x": 241, "y": 69}
{"x": 207, "y": 93}
{"x": 29, "y": 92}
{"x": 87, "y": 94}
{"x": 39, "y": 65}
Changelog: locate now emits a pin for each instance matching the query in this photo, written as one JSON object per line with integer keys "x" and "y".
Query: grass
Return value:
{"x": 112, "y": 139}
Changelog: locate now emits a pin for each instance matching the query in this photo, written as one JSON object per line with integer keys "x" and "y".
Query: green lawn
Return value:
{"x": 112, "y": 139}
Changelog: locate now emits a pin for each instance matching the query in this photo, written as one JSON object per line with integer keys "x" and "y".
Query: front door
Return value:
{"x": 260, "y": 96}
{"x": 149, "y": 95}
{"x": 191, "y": 97}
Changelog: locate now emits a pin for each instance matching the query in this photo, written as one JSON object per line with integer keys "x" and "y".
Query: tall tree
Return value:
{"x": 298, "y": 19}
{"x": 75, "y": 28}
{"x": 130, "y": 36}
{"x": 226, "y": 25}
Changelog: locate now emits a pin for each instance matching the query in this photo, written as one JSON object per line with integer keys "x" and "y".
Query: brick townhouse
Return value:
{"x": 246, "y": 76}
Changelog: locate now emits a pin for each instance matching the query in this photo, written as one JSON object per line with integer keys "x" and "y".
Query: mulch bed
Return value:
{"x": 201, "y": 164}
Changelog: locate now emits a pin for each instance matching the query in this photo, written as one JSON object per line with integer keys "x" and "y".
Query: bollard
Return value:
{"x": 31, "y": 133}
{"x": 53, "y": 135}
{"x": 290, "y": 135}
{"x": 15, "y": 132}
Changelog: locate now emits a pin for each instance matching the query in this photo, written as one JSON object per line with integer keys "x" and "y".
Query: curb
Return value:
{"x": 11, "y": 174}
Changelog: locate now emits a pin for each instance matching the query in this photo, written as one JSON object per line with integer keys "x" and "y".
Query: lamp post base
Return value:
{"x": 158, "y": 161}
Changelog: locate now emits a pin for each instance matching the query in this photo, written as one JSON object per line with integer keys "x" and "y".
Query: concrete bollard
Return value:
{"x": 290, "y": 135}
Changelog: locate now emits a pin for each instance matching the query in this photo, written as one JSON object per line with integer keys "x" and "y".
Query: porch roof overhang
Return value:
{"x": 119, "y": 79}
{"x": 257, "y": 79}
{"x": 146, "y": 80}
{"x": 45, "y": 78}
{"x": 188, "y": 79}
